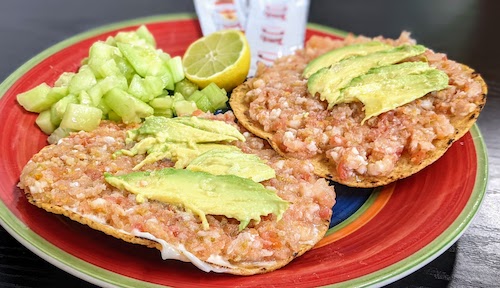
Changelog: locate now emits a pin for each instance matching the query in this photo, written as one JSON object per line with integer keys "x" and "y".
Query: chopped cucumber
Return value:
{"x": 184, "y": 107}
{"x": 216, "y": 96}
{"x": 64, "y": 79}
{"x": 145, "y": 34}
{"x": 129, "y": 108}
{"x": 110, "y": 41}
{"x": 81, "y": 117}
{"x": 163, "y": 55}
{"x": 58, "y": 134}
{"x": 140, "y": 57}
{"x": 201, "y": 100}
{"x": 176, "y": 68}
{"x": 168, "y": 113}
{"x": 178, "y": 97}
{"x": 43, "y": 121}
{"x": 38, "y": 99}
{"x": 129, "y": 37}
{"x": 58, "y": 92}
{"x": 84, "y": 98}
{"x": 104, "y": 108}
{"x": 185, "y": 87}
{"x": 204, "y": 104}
{"x": 146, "y": 88}
{"x": 83, "y": 80}
{"x": 104, "y": 85}
{"x": 167, "y": 78}
{"x": 103, "y": 50}
{"x": 146, "y": 62}
{"x": 57, "y": 110}
{"x": 162, "y": 103}
{"x": 113, "y": 116}
{"x": 125, "y": 67}
{"x": 102, "y": 67}
{"x": 124, "y": 78}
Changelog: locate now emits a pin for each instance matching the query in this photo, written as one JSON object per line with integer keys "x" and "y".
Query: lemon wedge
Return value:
{"x": 222, "y": 57}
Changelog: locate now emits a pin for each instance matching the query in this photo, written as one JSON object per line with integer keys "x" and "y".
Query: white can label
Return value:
{"x": 274, "y": 28}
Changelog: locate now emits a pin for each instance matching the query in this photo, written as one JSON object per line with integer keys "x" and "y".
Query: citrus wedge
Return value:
{"x": 222, "y": 57}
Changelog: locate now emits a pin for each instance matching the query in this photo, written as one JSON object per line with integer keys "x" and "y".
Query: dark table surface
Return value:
{"x": 466, "y": 30}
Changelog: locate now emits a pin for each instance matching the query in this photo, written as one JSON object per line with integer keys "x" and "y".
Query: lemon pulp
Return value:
{"x": 222, "y": 57}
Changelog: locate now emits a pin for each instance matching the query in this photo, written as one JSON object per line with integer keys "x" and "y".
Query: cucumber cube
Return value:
{"x": 147, "y": 62}
{"x": 162, "y": 103}
{"x": 185, "y": 87}
{"x": 145, "y": 34}
{"x": 146, "y": 88}
{"x": 43, "y": 121}
{"x": 196, "y": 95}
{"x": 57, "y": 110}
{"x": 81, "y": 117}
{"x": 163, "y": 55}
{"x": 110, "y": 41}
{"x": 217, "y": 96}
{"x": 204, "y": 104}
{"x": 104, "y": 85}
{"x": 201, "y": 101}
{"x": 178, "y": 97}
{"x": 129, "y": 108}
{"x": 125, "y": 67}
{"x": 184, "y": 108}
{"x": 102, "y": 67}
{"x": 129, "y": 37}
{"x": 103, "y": 50}
{"x": 140, "y": 57}
{"x": 168, "y": 113}
{"x": 166, "y": 77}
{"x": 58, "y": 134}
{"x": 104, "y": 108}
{"x": 58, "y": 92}
{"x": 64, "y": 79}
{"x": 84, "y": 99}
{"x": 83, "y": 80}
{"x": 176, "y": 68}
{"x": 38, "y": 99}
{"x": 113, "y": 116}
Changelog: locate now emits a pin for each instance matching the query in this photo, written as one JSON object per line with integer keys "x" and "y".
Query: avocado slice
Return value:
{"x": 181, "y": 153}
{"x": 179, "y": 139}
{"x": 185, "y": 130}
{"x": 385, "y": 88}
{"x": 336, "y": 55}
{"x": 233, "y": 162}
{"x": 203, "y": 193}
{"x": 213, "y": 126}
{"x": 329, "y": 81}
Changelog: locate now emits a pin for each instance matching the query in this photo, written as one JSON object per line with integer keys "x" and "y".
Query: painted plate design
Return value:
{"x": 376, "y": 237}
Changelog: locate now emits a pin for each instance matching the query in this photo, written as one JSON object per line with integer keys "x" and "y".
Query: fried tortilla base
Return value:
{"x": 49, "y": 182}
{"x": 324, "y": 168}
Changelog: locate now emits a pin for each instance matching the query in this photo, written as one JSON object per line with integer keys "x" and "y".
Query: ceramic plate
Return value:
{"x": 377, "y": 236}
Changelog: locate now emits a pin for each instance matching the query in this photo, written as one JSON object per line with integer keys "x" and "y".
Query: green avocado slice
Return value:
{"x": 234, "y": 162}
{"x": 385, "y": 88}
{"x": 336, "y": 55}
{"x": 179, "y": 139}
{"x": 189, "y": 130}
{"x": 203, "y": 193}
{"x": 329, "y": 81}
